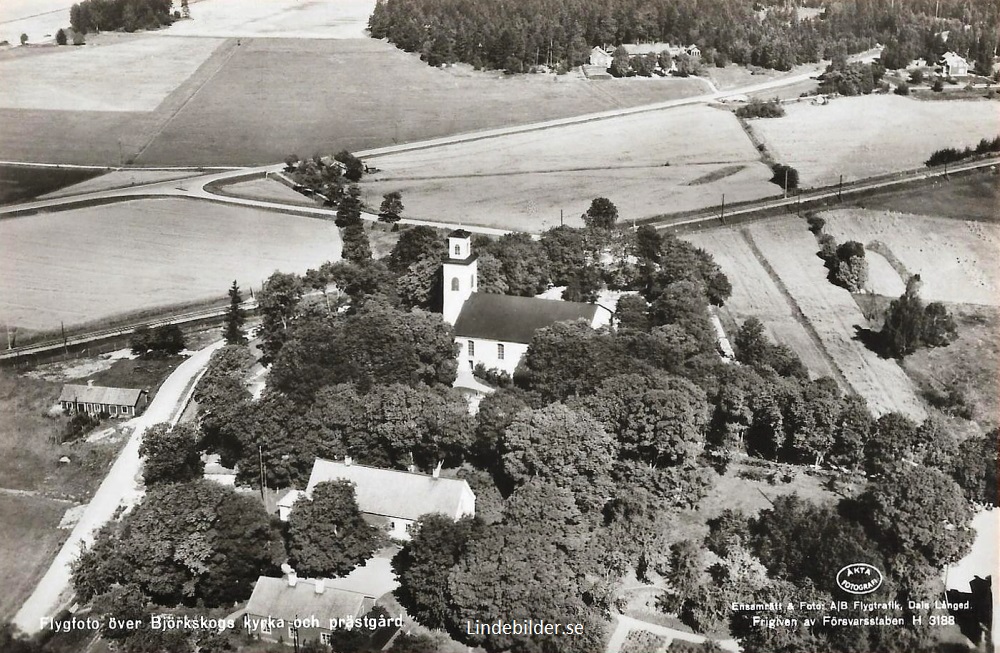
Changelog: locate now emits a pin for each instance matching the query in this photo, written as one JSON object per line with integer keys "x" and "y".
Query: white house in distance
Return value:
{"x": 952, "y": 65}
{"x": 389, "y": 498}
{"x": 495, "y": 330}
{"x": 602, "y": 57}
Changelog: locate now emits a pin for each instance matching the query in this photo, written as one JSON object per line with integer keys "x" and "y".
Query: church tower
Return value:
{"x": 461, "y": 274}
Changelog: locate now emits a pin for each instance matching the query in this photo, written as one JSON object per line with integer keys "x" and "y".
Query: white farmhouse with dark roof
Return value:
{"x": 492, "y": 329}
{"x": 98, "y": 400}
{"x": 389, "y": 498}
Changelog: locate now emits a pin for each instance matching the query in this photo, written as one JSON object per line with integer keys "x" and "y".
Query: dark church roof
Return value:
{"x": 515, "y": 319}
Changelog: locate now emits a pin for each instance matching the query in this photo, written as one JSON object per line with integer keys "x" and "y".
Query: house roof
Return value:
{"x": 952, "y": 58}
{"x": 95, "y": 394}
{"x": 515, "y": 319}
{"x": 273, "y": 597}
{"x": 648, "y": 48}
{"x": 393, "y": 493}
{"x": 459, "y": 233}
{"x": 599, "y": 49}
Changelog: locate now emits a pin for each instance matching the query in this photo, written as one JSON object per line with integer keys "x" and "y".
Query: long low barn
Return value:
{"x": 98, "y": 400}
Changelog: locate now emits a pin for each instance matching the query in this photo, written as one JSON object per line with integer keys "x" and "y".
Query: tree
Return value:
{"x": 24, "y": 39}
{"x": 602, "y": 214}
{"x": 78, "y": 38}
{"x": 354, "y": 168}
{"x": 233, "y": 326}
{"x": 424, "y": 563}
{"x": 631, "y": 312}
{"x": 223, "y": 402}
{"x": 392, "y": 206}
{"x": 415, "y": 244}
{"x": 165, "y": 340}
{"x": 903, "y": 324}
{"x": 850, "y": 266}
{"x": 349, "y": 210}
{"x": 939, "y": 329}
{"x": 170, "y": 454}
{"x": 920, "y": 519}
{"x": 565, "y": 250}
{"x": 785, "y": 176}
{"x": 61, "y": 37}
{"x": 184, "y": 542}
{"x": 620, "y": 65}
{"x": 291, "y": 161}
{"x": 561, "y": 446}
{"x": 356, "y": 249}
{"x": 974, "y": 467}
{"x": 917, "y": 76}
{"x": 278, "y": 301}
{"x": 327, "y": 536}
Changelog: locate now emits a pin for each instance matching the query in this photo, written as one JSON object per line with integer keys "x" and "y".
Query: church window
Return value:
{"x": 500, "y": 352}
{"x": 454, "y": 283}
{"x": 472, "y": 348}
{"x": 458, "y": 249}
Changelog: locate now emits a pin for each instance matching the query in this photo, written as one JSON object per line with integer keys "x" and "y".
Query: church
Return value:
{"x": 492, "y": 329}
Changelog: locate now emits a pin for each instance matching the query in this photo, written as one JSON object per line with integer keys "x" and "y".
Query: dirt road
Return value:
{"x": 122, "y": 486}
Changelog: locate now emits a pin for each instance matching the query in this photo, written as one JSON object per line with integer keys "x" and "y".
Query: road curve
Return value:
{"x": 121, "y": 486}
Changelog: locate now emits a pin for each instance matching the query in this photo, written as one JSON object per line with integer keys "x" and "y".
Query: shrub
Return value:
{"x": 902, "y": 89}
{"x": 785, "y": 176}
{"x": 79, "y": 424}
{"x": 816, "y": 224}
{"x": 61, "y": 37}
{"x": 24, "y": 39}
{"x": 758, "y": 108}
{"x": 78, "y": 38}
{"x": 937, "y": 86}
{"x": 494, "y": 377}
{"x": 917, "y": 77}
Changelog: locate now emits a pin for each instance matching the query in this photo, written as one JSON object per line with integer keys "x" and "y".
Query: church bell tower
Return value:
{"x": 461, "y": 274}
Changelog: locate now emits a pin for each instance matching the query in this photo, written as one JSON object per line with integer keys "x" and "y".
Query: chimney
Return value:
{"x": 437, "y": 470}
{"x": 90, "y": 383}
{"x": 348, "y": 461}
{"x": 292, "y": 579}
{"x": 320, "y": 585}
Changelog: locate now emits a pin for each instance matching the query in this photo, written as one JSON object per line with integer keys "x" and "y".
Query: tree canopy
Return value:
{"x": 327, "y": 536}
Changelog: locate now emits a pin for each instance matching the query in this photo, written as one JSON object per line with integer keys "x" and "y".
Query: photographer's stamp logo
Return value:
{"x": 859, "y": 578}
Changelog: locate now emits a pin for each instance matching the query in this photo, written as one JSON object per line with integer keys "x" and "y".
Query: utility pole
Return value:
{"x": 840, "y": 188}
{"x": 722, "y": 215}
{"x": 560, "y": 217}
{"x": 121, "y": 159}
{"x": 786, "y": 182}
{"x": 263, "y": 477}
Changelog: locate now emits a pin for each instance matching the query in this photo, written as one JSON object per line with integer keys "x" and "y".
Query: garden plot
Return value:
{"x": 956, "y": 260}
{"x": 85, "y": 264}
{"x": 134, "y": 75}
{"x": 791, "y": 251}
{"x": 755, "y": 294}
{"x": 871, "y": 135}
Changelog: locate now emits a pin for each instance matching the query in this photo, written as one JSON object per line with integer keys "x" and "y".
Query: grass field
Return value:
{"x": 871, "y": 135}
{"x": 363, "y": 94}
{"x": 39, "y": 19}
{"x": 134, "y": 75}
{"x": 121, "y": 179}
{"x": 27, "y": 550}
{"x": 756, "y": 294}
{"x": 314, "y": 19}
{"x": 790, "y": 250}
{"x": 973, "y": 196}
{"x": 971, "y": 364}
{"x": 19, "y": 183}
{"x": 134, "y": 255}
{"x": 956, "y": 260}
{"x": 268, "y": 190}
{"x": 523, "y": 180}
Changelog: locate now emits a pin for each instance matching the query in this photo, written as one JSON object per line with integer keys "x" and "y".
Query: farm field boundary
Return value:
{"x": 797, "y": 313}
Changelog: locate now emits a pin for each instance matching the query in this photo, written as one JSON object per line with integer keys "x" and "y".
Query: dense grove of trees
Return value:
{"x": 952, "y": 155}
{"x": 516, "y": 36}
{"x": 603, "y": 437}
{"x": 128, "y": 15}
{"x": 909, "y": 324}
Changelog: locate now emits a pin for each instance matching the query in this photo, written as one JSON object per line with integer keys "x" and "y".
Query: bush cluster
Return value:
{"x": 951, "y": 154}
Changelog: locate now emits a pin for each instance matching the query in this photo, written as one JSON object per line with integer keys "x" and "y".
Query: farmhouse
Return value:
{"x": 952, "y": 65}
{"x": 600, "y": 57}
{"x": 98, "y": 400}
{"x": 389, "y": 498}
{"x": 495, "y": 330}
{"x": 277, "y": 602}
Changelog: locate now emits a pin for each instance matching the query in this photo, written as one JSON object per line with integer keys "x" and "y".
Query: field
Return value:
{"x": 790, "y": 250}
{"x": 121, "y": 179}
{"x": 956, "y": 260}
{"x": 871, "y": 135}
{"x": 268, "y": 190}
{"x": 970, "y": 365}
{"x": 134, "y": 75}
{"x": 27, "y": 550}
{"x": 135, "y": 255}
{"x": 39, "y": 19}
{"x": 973, "y": 196}
{"x": 312, "y": 19}
{"x": 756, "y": 294}
{"x": 523, "y": 181}
{"x": 19, "y": 183}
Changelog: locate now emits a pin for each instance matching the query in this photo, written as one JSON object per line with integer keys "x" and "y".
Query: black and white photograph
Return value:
{"x": 489, "y": 326}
